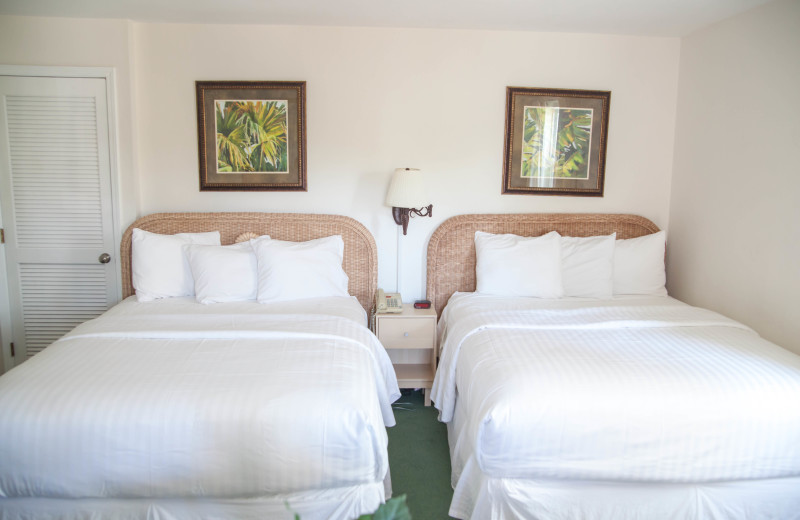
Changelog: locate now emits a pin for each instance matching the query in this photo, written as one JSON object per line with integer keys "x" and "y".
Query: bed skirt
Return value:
{"x": 340, "y": 503}
{"x": 478, "y": 496}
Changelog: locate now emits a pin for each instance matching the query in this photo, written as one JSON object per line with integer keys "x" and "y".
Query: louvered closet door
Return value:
{"x": 56, "y": 204}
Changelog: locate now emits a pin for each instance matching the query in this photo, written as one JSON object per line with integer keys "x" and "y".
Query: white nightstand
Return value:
{"x": 410, "y": 339}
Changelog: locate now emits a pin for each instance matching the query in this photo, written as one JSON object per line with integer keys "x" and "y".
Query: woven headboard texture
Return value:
{"x": 451, "y": 249}
{"x": 360, "y": 253}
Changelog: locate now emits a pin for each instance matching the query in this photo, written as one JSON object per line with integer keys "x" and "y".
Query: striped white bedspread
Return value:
{"x": 629, "y": 390}
{"x": 147, "y": 402}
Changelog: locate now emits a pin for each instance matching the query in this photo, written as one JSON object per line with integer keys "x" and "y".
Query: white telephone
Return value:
{"x": 388, "y": 302}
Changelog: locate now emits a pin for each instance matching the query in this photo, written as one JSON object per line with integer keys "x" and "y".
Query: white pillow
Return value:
{"x": 639, "y": 265}
{"x": 223, "y": 273}
{"x": 587, "y": 266}
{"x": 510, "y": 265}
{"x": 159, "y": 266}
{"x": 299, "y": 270}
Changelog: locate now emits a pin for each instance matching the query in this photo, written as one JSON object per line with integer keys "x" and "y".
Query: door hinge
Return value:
{"x": 12, "y": 350}
{"x": 2, "y": 236}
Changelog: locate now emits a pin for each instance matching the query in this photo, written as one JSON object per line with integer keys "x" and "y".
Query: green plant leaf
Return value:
{"x": 230, "y": 140}
{"x": 394, "y": 509}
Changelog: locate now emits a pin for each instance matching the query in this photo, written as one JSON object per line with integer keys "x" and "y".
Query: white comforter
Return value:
{"x": 183, "y": 400}
{"x": 626, "y": 390}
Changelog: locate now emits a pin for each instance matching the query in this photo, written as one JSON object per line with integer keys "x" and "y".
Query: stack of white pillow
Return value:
{"x": 263, "y": 269}
{"x": 268, "y": 270}
{"x": 553, "y": 266}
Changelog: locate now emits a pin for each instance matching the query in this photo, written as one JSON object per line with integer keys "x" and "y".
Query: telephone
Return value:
{"x": 388, "y": 302}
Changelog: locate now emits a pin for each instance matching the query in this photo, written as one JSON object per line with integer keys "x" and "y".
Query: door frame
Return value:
{"x": 108, "y": 74}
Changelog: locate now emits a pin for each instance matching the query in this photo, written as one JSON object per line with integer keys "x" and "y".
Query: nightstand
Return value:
{"x": 409, "y": 337}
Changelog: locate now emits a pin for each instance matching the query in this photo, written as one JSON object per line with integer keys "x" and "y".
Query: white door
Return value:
{"x": 56, "y": 206}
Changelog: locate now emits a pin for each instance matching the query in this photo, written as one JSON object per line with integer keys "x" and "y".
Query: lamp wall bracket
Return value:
{"x": 403, "y": 215}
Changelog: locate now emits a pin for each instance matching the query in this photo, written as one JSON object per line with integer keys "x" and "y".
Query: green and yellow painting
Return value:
{"x": 556, "y": 142}
{"x": 251, "y": 136}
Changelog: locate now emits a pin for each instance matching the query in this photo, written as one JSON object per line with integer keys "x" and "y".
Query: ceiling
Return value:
{"x": 632, "y": 17}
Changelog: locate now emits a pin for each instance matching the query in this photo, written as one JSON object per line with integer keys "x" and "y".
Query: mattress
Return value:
{"x": 173, "y": 406}
{"x": 646, "y": 390}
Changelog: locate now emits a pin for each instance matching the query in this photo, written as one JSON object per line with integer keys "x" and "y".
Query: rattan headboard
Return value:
{"x": 360, "y": 253}
{"x": 451, "y": 250}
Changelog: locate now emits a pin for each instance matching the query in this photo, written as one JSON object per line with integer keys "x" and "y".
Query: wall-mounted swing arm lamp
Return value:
{"x": 407, "y": 196}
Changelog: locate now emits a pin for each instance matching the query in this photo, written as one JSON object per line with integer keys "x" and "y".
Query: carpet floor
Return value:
{"x": 419, "y": 458}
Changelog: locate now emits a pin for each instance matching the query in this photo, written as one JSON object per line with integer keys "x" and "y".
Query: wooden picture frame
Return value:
{"x": 555, "y": 141}
{"x": 251, "y": 135}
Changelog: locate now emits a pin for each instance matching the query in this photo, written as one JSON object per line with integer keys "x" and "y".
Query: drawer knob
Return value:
{"x": 405, "y": 334}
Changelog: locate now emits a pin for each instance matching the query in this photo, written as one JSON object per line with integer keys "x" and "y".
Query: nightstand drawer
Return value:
{"x": 406, "y": 332}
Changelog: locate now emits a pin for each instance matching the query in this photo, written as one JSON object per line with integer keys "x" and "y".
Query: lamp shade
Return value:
{"x": 407, "y": 189}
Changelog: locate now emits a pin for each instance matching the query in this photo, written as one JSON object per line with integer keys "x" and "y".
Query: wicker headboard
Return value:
{"x": 360, "y": 253}
{"x": 451, "y": 250}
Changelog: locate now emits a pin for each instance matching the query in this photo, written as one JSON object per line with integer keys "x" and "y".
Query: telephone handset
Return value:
{"x": 388, "y": 302}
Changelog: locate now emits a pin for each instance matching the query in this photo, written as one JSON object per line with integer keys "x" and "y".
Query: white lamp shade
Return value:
{"x": 407, "y": 189}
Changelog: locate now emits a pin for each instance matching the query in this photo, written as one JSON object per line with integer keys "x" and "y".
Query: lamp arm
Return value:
{"x": 402, "y": 215}
{"x": 423, "y": 212}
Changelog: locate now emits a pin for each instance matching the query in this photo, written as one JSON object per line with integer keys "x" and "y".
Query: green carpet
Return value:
{"x": 419, "y": 458}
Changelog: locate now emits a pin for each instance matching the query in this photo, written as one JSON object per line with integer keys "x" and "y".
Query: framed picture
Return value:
{"x": 555, "y": 141}
{"x": 252, "y": 135}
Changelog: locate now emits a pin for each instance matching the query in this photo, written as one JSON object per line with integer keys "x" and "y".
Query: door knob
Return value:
{"x": 104, "y": 258}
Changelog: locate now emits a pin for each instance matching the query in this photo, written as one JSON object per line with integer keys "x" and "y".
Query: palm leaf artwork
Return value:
{"x": 251, "y": 136}
{"x": 555, "y": 142}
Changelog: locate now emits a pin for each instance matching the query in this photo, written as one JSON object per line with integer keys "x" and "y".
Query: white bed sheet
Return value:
{"x": 156, "y": 402}
{"x": 636, "y": 390}
{"x": 333, "y": 306}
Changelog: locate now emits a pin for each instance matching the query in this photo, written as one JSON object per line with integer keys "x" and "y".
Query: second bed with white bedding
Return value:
{"x": 636, "y": 390}
{"x": 171, "y": 406}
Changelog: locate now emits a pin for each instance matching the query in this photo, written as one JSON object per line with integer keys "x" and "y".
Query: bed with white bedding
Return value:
{"x": 631, "y": 407}
{"x": 174, "y": 409}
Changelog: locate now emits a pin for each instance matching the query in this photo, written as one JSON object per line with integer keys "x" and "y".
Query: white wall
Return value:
{"x": 734, "y": 243}
{"x": 377, "y": 99}
{"x": 385, "y": 98}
